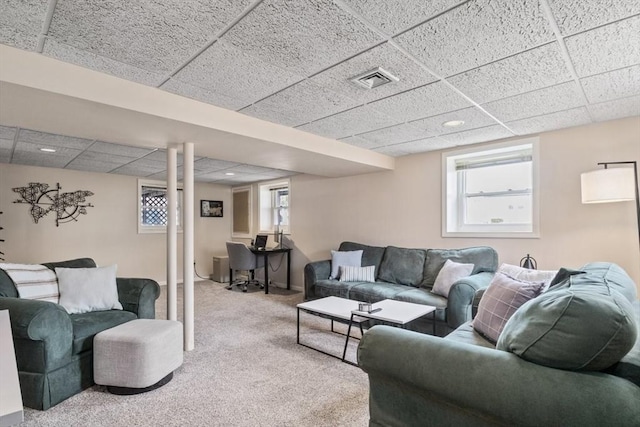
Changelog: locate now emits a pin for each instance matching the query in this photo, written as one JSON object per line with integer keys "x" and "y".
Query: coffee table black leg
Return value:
{"x": 346, "y": 342}
{"x": 298, "y": 329}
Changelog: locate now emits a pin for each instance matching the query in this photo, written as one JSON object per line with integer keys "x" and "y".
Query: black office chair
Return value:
{"x": 242, "y": 259}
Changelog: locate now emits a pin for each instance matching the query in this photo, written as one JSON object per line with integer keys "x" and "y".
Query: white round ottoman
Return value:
{"x": 137, "y": 356}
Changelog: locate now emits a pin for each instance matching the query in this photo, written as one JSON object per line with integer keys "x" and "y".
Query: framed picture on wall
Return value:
{"x": 211, "y": 208}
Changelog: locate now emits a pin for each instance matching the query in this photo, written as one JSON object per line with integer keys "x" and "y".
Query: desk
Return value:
{"x": 272, "y": 251}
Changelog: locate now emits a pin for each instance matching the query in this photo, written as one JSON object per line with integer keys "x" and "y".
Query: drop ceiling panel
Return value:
{"x": 349, "y": 123}
{"x": 229, "y": 71}
{"x": 210, "y": 165}
{"x": 26, "y": 153}
{"x": 43, "y": 140}
{"x": 617, "y": 109}
{"x": 477, "y": 33}
{"x": 361, "y": 142}
{"x": 303, "y": 36}
{"x": 103, "y": 64}
{"x": 300, "y": 104}
{"x": 574, "y": 16}
{"x": 472, "y": 117}
{"x": 606, "y": 48}
{"x": 615, "y": 84}
{"x": 114, "y": 159}
{"x": 160, "y": 156}
{"x": 525, "y": 72}
{"x": 536, "y": 103}
{"x": 473, "y": 136}
{"x": 426, "y": 101}
{"x": 203, "y": 95}
{"x": 92, "y": 165}
{"x": 392, "y": 150}
{"x": 156, "y": 36}
{"x": 136, "y": 170}
{"x": 394, "y": 16}
{"x": 119, "y": 150}
{"x": 394, "y": 134}
{"x": 386, "y": 56}
{"x": 412, "y": 147}
{"x": 7, "y": 132}
{"x": 21, "y": 22}
{"x": 558, "y": 120}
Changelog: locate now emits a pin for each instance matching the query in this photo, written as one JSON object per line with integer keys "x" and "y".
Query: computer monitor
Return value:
{"x": 261, "y": 241}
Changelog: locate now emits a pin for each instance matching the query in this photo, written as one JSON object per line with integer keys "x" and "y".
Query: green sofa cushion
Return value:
{"x": 584, "y": 323}
{"x": 402, "y": 266}
{"x": 483, "y": 258}
{"x": 373, "y": 292}
{"x": 87, "y": 325}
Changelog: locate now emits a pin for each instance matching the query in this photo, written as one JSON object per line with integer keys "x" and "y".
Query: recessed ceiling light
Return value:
{"x": 48, "y": 150}
{"x": 229, "y": 173}
{"x": 453, "y": 123}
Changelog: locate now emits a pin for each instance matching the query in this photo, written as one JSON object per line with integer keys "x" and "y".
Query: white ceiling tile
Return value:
{"x": 424, "y": 101}
{"x": 525, "y": 72}
{"x": 606, "y": 48}
{"x": 155, "y": 36}
{"x": 413, "y": 147}
{"x": 477, "y": 33}
{"x": 386, "y": 56}
{"x": 7, "y": 132}
{"x": 21, "y": 22}
{"x": 348, "y": 123}
{"x": 91, "y": 156}
{"x": 472, "y": 117}
{"x": 300, "y": 104}
{"x": 302, "y": 36}
{"x": 99, "y": 63}
{"x": 361, "y": 142}
{"x": 6, "y": 144}
{"x": 395, "y": 134}
{"x": 120, "y": 150}
{"x": 203, "y": 95}
{"x": 474, "y": 136}
{"x": 615, "y": 84}
{"x": 26, "y": 153}
{"x": 617, "y": 109}
{"x": 226, "y": 70}
{"x": 573, "y": 16}
{"x": 160, "y": 156}
{"x": 88, "y": 165}
{"x": 394, "y": 16}
{"x": 161, "y": 176}
{"x": 536, "y": 103}
{"x": 137, "y": 170}
{"x": 43, "y": 139}
{"x": 6, "y": 149}
{"x": 553, "y": 121}
{"x": 209, "y": 165}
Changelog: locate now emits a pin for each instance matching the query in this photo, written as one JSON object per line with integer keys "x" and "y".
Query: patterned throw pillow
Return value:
{"x": 357, "y": 274}
{"x": 33, "y": 281}
{"x": 501, "y": 299}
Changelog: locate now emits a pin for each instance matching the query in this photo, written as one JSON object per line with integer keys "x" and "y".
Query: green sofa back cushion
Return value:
{"x": 402, "y": 266}
{"x": 483, "y": 258}
{"x": 583, "y": 323}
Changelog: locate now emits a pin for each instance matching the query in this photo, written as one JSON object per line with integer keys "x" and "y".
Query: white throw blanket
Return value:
{"x": 33, "y": 281}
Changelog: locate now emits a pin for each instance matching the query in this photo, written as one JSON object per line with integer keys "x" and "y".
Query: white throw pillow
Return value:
{"x": 350, "y": 258}
{"x": 88, "y": 289}
{"x": 449, "y": 274}
{"x": 350, "y": 273}
{"x": 33, "y": 281}
{"x": 527, "y": 275}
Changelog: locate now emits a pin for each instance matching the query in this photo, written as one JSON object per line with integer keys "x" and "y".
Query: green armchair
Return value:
{"x": 54, "y": 350}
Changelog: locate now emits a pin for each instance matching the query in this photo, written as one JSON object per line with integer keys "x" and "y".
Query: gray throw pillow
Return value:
{"x": 503, "y": 297}
{"x": 349, "y": 258}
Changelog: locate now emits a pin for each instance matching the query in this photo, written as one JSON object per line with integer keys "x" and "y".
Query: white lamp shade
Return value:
{"x": 608, "y": 185}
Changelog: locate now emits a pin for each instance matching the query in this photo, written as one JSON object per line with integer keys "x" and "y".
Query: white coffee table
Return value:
{"x": 397, "y": 313}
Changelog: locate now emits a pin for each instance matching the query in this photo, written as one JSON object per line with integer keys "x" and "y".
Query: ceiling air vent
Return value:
{"x": 374, "y": 78}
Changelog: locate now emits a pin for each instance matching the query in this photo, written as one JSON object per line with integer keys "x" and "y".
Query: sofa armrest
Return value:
{"x": 138, "y": 296}
{"x": 448, "y": 382}
{"x": 461, "y": 298}
{"x": 314, "y": 271}
{"x": 42, "y": 333}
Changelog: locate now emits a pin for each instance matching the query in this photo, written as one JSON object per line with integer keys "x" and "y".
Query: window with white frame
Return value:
{"x": 153, "y": 207}
{"x": 491, "y": 191}
{"x": 274, "y": 207}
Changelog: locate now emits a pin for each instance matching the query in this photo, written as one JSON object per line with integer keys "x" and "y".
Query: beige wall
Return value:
{"x": 108, "y": 232}
{"x": 403, "y": 207}
{"x": 400, "y": 207}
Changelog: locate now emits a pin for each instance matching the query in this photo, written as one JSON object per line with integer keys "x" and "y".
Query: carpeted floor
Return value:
{"x": 246, "y": 370}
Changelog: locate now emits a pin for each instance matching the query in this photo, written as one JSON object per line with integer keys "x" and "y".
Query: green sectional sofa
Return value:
{"x": 405, "y": 274}
{"x": 54, "y": 350}
{"x": 463, "y": 379}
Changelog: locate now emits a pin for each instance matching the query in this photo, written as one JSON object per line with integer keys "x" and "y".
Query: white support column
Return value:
{"x": 172, "y": 233}
{"x": 188, "y": 265}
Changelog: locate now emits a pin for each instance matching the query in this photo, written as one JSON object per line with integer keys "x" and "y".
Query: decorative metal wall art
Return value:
{"x": 67, "y": 206}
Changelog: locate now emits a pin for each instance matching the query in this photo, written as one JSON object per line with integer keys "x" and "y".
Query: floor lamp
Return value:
{"x": 612, "y": 185}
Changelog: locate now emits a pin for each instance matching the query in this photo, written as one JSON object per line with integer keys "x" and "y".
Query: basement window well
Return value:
{"x": 491, "y": 191}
